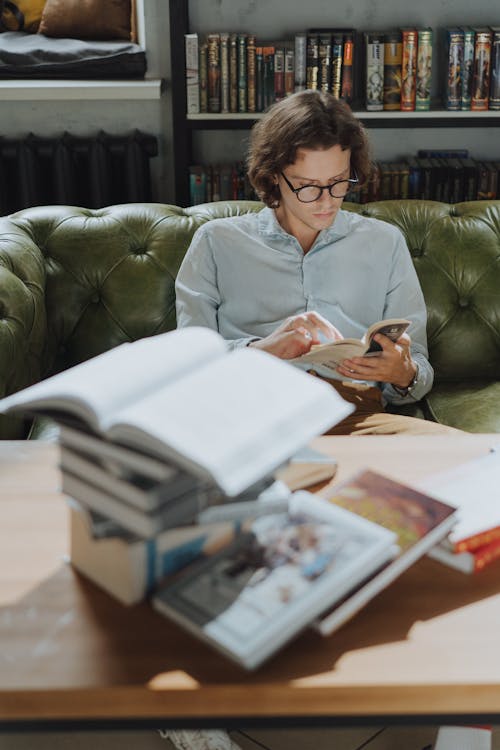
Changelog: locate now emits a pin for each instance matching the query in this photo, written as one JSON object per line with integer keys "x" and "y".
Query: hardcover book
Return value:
{"x": 392, "y": 70}
{"x": 374, "y": 54}
{"x": 346, "y": 90}
{"x": 224, "y": 72}
{"x": 213, "y": 72}
{"x": 192, "y": 74}
{"x": 331, "y": 354}
{"x": 409, "y": 69}
{"x": 424, "y": 70}
{"x": 262, "y": 590}
{"x": 300, "y": 61}
{"x": 454, "y": 68}
{"x": 467, "y": 68}
{"x": 418, "y": 520}
{"x": 494, "y": 102}
{"x": 481, "y": 76}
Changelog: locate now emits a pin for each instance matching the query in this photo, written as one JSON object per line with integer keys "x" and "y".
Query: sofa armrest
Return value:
{"x": 23, "y": 327}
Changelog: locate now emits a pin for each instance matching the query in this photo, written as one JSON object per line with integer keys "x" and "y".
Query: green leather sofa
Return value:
{"x": 75, "y": 282}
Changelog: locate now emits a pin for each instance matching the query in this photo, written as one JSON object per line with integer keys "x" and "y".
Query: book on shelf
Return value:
{"x": 392, "y": 70}
{"x": 424, "y": 69}
{"x": 337, "y": 59}
{"x": 347, "y": 86}
{"x": 279, "y": 73}
{"x": 409, "y": 69}
{"x": 251, "y": 74}
{"x": 224, "y": 72}
{"x": 374, "y": 70}
{"x": 289, "y": 71}
{"x": 472, "y": 488}
{"x": 213, "y": 72}
{"x": 226, "y": 417}
{"x": 324, "y": 61}
{"x": 329, "y": 355}
{"x": 300, "y": 49}
{"x": 268, "y": 76}
{"x": 192, "y": 74}
{"x": 482, "y": 64}
{"x": 233, "y": 72}
{"x": 312, "y": 60}
{"x": 454, "y": 46}
{"x": 253, "y": 597}
{"x": 418, "y": 520}
{"x": 494, "y": 102}
{"x": 242, "y": 72}
{"x": 467, "y": 68}
{"x": 203, "y": 74}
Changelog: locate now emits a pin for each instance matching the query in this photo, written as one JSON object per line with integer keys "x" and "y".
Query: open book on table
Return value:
{"x": 228, "y": 417}
{"x": 331, "y": 354}
{"x": 418, "y": 520}
{"x": 253, "y": 597}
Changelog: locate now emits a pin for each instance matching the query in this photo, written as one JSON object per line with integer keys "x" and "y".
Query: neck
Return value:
{"x": 304, "y": 235}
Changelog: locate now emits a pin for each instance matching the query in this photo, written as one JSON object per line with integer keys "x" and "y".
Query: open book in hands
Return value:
{"x": 332, "y": 353}
{"x": 229, "y": 418}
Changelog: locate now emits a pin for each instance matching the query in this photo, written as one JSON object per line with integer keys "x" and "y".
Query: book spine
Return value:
{"x": 312, "y": 61}
{"x": 454, "y": 64}
{"x": 300, "y": 61}
{"x": 233, "y": 72}
{"x": 251, "y": 74}
{"x": 213, "y": 46}
{"x": 392, "y": 71}
{"x": 374, "y": 91}
{"x": 337, "y": 56}
{"x": 289, "y": 71}
{"x": 481, "y": 76}
{"x": 424, "y": 70}
{"x": 242, "y": 72}
{"x": 224, "y": 72}
{"x": 197, "y": 185}
{"x": 324, "y": 62}
{"x": 268, "y": 53}
{"x": 468, "y": 68}
{"x": 192, "y": 74}
{"x": 409, "y": 69}
{"x": 259, "y": 79}
{"x": 203, "y": 71}
{"x": 347, "y": 68}
{"x": 494, "y": 102}
{"x": 279, "y": 74}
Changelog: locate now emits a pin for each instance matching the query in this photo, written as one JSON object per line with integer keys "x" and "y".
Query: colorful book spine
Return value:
{"x": 233, "y": 72}
{"x": 242, "y": 72}
{"x": 346, "y": 88}
{"x": 213, "y": 47}
{"x": 392, "y": 70}
{"x": 268, "y": 54}
{"x": 300, "y": 61}
{"x": 279, "y": 74}
{"x": 312, "y": 61}
{"x": 197, "y": 185}
{"x": 481, "y": 76}
{"x": 494, "y": 102}
{"x": 454, "y": 40}
{"x": 468, "y": 68}
{"x": 289, "y": 71}
{"x": 251, "y": 74}
{"x": 424, "y": 70}
{"x": 203, "y": 73}
{"x": 374, "y": 89}
{"x": 324, "y": 62}
{"x": 192, "y": 74}
{"x": 259, "y": 78}
{"x": 337, "y": 57}
{"x": 409, "y": 69}
{"x": 224, "y": 72}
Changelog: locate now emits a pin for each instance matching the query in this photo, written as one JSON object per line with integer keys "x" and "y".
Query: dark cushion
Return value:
{"x": 38, "y": 56}
{"x": 86, "y": 19}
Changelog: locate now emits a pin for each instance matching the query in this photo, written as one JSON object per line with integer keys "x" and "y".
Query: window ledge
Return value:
{"x": 54, "y": 90}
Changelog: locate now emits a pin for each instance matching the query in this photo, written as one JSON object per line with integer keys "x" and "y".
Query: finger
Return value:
{"x": 324, "y": 326}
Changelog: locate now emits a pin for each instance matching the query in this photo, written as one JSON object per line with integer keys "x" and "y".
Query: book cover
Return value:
{"x": 251, "y": 74}
{"x": 300, "y": 61}
{"x": 409, "y": 69}
{"x": 418, "y": 520}
{"x": 331, "y": 354}
{"x": 279, "y": 73}
{"x": 346, "y": 89}
{"x": 468, "y": 68}
{"x": 312, "y": 61}
{"x": 337, "y": 59}
{"x": 192, "y": 74}
{"x": 454, "y": 42}
{"x": 224, "y": 72}
{"x": 494, "y": 101}
{"x": 481, "y": 76}
{"x": 252, "y": 598}
{"x": 392, "y": 70}
{"x": 268, "y": 65}
{"x": 242, "y": 72}
{"x": 289, "y": 71}
{"x": 233, "y": 72}
{"x": 374, "y": 55}
{"x": 213, "y": 72}
{"x": 259, "y": 79}
{"x": 203, "y": 73}
{"x": 424, "y": 70}
{"x": 324, "y": 62}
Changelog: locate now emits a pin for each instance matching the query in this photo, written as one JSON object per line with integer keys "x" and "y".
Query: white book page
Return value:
{"x": 238, "y": 418}
{"x": 96, "y": 389}
{"x": 473, "y": 488}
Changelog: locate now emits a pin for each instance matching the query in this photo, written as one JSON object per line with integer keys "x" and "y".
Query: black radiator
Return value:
{"x": 91, "y": 172}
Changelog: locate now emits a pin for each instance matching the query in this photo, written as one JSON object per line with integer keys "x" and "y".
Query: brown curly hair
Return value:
{"x": 308, "y": 119}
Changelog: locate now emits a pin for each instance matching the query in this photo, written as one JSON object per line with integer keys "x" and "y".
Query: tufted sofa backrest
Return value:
{"x": 75, "y": 282}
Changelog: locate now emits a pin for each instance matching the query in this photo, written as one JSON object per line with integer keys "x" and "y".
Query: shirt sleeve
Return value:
{"x": 196, "y": 291}
{"x": 405, "y": 299}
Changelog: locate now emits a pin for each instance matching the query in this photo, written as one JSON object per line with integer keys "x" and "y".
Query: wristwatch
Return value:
{"x": 409, "y": 388}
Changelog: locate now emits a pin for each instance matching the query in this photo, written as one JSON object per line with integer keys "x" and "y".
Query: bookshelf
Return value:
{"x": 186, "y": 126}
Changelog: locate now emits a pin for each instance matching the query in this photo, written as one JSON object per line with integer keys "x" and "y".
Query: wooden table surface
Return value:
{"x": 426, "y": 648}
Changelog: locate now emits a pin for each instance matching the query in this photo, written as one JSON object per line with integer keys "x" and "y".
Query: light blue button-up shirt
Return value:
{"x": 243, "y": 276}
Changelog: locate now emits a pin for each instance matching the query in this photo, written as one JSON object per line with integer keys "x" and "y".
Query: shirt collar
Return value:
{"x": 269, "y": 225}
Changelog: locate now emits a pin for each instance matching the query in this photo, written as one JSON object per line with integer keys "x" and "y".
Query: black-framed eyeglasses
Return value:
{"x": 311, "y": 193}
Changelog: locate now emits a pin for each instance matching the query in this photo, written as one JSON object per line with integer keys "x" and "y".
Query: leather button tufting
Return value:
{"x": 463, "y": 302}
{"x": 96, "y": 298}
{"x": 417, "y": 252}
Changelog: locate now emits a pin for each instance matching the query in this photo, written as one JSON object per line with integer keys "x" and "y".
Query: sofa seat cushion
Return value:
{"x": 470, "y": 406}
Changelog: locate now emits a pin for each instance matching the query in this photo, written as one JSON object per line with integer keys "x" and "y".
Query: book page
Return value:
{"x": 236, "y": 419}
{"x": 96, "y": 389}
